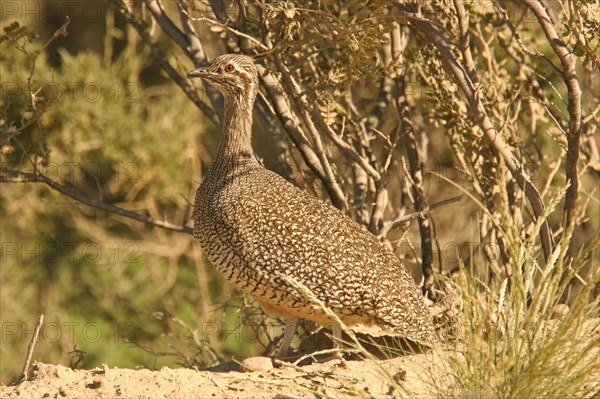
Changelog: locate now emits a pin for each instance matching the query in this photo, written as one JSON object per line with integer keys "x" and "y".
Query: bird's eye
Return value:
{"x": 229, "y": 68}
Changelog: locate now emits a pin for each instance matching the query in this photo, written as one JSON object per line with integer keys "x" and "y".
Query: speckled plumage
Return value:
{"x": 254, "y": 227}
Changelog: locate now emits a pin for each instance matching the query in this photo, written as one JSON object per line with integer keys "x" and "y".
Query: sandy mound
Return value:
{"x": 332, "y": 379}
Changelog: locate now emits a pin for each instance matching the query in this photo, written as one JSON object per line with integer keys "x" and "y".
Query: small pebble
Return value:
{"x": 257, "y": 363}
{"x": 97, "y": 382}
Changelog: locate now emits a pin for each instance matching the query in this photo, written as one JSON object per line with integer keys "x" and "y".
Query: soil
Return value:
{"x": 335, "y": 378}
{"x": 410, "y": 375}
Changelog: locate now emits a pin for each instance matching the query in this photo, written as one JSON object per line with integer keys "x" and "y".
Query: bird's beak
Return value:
{"x": 198, "y": 73}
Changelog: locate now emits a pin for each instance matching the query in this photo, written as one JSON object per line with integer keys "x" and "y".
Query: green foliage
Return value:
{"x": 102, "y": 129}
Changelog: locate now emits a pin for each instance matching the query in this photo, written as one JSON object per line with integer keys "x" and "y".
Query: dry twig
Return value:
{"x": 30, "y": 348}
{"x": 11, "y": 176}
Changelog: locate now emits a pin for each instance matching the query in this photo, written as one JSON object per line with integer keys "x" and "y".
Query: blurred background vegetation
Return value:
{"x": 120, "y": 132}
{"x": 106, "y": 120}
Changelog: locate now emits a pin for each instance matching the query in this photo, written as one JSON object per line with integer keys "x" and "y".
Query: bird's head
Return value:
{"x": 233, "y": 75}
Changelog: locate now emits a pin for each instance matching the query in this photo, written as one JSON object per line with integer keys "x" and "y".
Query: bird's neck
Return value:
{"x": 236, "y": 143}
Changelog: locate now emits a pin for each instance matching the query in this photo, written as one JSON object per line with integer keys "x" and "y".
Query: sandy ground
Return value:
{"x": 331, "y": 379}
{"x": 414, "y": 375}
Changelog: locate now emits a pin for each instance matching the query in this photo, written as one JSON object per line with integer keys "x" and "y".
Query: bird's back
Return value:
{"x": 255, "y": 227}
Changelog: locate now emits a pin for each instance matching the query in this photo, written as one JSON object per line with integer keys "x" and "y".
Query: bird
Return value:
{"x": 277, "y": 242}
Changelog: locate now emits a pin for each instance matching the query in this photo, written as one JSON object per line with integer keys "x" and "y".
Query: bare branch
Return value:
{"x": 278, "y": 99}
{"x": 465, "y": 40}
{"x": 231, "y": 30}
{"x": 320, "y": 151}
{"x": 12, "y": 176}
{"x": 218, "y": 7}
{"x": 338, "y": 199}
{"x": 517, "y": 36}
{"x": 345, "y": 147}
{"x": 480, "y": 113}
{"x": 167, "y": 24}
{"x": 414, "y": 162}
{"x": 198, "y": 56}
{"x": 157, "y": 53}
{"x": 569, "y": 73}
{"x": 389, "y": 226}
